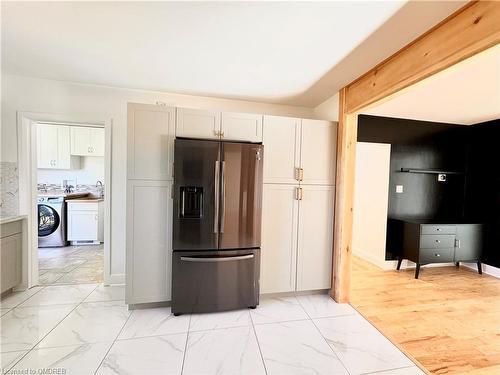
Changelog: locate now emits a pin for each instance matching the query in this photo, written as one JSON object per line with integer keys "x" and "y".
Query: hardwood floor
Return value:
{"x": 448, "y": 320}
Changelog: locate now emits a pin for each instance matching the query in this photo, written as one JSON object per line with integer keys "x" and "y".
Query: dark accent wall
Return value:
{"x": 423, "y": 145}
{"x": 482, "y": 203}
{"x": 473, "y": 196}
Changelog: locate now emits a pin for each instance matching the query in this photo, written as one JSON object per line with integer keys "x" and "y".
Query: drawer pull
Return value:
{"x": 438, "y": 255}
{"x": 438, "y": 229}
{"x": 438, "y": 241}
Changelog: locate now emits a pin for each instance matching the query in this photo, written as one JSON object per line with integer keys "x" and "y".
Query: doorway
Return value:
{"x": 65, "y": 176}
{"x": 70, "y": 203}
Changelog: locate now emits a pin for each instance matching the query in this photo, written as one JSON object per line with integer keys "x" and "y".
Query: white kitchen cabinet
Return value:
{"x": 279, "y": 238}
{"x": 150, "y": 141}
{"x": 315, "y": 237}
{"x": 241, "y": 127}
{"x": 85, "y": 221}
{"x": 10, "y": 255}
{"x": 149, "y": 241}
{"x": 282, "y": 149}
{"x": 53, "y": 148}
{"x": 299, "y": 150}
{"x": 297, "y": 237}
{"x": 87, "y": 141}
{"x": 198, "y": 123}
{"x": 318, "y": 152}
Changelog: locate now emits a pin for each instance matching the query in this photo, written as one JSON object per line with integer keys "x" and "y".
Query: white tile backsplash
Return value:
{"x": 9, "y": 185}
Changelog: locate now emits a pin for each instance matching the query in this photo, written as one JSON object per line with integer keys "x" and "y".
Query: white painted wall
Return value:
{"x": 48, "y": 96}
{"x": 371, "y": 198}
{"x": 91, "y": 170}
{"x": 329, "y": 109}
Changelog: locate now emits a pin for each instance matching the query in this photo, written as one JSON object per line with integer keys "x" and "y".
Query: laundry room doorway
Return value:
{"x": 67, "y": 173}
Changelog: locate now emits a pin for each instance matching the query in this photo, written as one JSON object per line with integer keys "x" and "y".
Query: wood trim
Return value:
{"x": 472, "y": 29}
{"x": 344, "y": 198}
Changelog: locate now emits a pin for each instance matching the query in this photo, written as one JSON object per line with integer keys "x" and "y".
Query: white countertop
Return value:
{"x": 10, "y": 219}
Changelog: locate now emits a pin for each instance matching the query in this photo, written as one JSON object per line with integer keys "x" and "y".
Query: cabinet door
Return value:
{"x": 197, "y": 123}
{"x": 318, "y": 152}
{"x": 150, "y": 142}
{"x": 80, "y": 140}
{"x": 241, "y": 127}
{"x": 96, "y": 136}
{"x": 149, "y": 241}
{"x": 281, "y": 149}
{"x": 47, "y": 138}
{"x": 469, "y": 242}
{"x": 10, "y": 262}
{"x": 63, "y": 160}
{"x": 315, "y": 238}
{"x": 82, "y": 225}
{"x": 279, "y": 239}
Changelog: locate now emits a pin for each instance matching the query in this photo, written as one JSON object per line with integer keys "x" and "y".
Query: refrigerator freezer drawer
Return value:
{"x": 208, "y": 281}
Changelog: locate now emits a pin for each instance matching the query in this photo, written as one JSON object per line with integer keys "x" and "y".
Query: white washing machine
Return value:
{"x": 51, "y": 222}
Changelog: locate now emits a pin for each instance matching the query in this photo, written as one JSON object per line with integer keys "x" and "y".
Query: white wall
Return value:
{"x": 329, "y": 109}
{"x": 91, "y": 170}
{"x": 371, "y": 199}
{"x": 47, "y": 96}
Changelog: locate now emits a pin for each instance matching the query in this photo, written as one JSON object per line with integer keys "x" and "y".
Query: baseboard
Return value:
{"x": 293, "y": 294}
{"x": 372, "y": 259}
{"x": 115, "y": 279}
{"x": 487, "y": 269}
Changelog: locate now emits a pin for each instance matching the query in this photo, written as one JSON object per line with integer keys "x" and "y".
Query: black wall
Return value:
{"x": 482, "y": 203}
{"x": 423, "y": 145}
{"x": 473, "y": 196}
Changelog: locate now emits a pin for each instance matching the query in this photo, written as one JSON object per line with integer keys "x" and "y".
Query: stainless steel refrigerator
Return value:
{"x": 216, "y": 225}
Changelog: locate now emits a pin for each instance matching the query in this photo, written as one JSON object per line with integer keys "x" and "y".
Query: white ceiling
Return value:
{"x": 467, "y": 93}
{"x": 285, "y": 52}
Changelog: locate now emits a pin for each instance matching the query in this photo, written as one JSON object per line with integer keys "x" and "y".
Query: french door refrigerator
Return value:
{"x": 216, "y": 225}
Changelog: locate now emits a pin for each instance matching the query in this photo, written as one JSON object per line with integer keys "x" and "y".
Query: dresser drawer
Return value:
{"x": 436, "y": 255}
{"x": 438, "y": 229}
{"x": 437, "y": 241}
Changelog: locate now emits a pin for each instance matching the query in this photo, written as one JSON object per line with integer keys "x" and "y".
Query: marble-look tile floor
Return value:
{"x": 70, "y": 264}
{"x": 88, "y": 329}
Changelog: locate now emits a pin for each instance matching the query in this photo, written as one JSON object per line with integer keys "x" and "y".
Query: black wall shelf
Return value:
{"x": 431, "y": 171}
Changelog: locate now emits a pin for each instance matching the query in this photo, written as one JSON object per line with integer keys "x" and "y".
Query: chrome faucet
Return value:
{"x": 99, "y": 185}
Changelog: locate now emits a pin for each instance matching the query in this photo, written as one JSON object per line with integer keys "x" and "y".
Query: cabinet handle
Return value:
{"x": 298, "y": 194}
{"x": 222, "y": 134}
{"x": 216, "y": 132}
{"x": 438, "y": 241}
{"x": 438, "y": 255}
{"x": 96, "y": 217}
{"x": 296, "y": 174}
{"x": 301, "y": 174}
{"x": 438, "y": 229}
{"x": 88, "y": 150}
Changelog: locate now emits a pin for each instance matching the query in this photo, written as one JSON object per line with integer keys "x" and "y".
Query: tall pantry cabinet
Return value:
{"x": 298, "y": 201}
{"x": 150, "y": 149}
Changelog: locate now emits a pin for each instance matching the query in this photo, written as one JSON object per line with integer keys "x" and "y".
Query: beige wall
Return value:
{"x": 329, "y": 109}
{"x": 102, "y": 103}
{"x": 371, "y": 197}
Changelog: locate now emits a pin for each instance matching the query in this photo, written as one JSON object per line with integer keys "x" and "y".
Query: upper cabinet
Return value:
{"x": 229, "y": 126}
{"x": 53, "y": 147}
{"x": 198, "y": 123}
{"x": 318, "y": 152}
{"x": 87, "y": 141}
{"x": 241, "y": 127}
{"x": 299, "y": 151}
{"x": 150, "y": 142}
{"x": 282, "y": 147}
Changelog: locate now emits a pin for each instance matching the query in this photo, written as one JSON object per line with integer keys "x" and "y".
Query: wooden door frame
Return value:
{"x": 472, "y": 29}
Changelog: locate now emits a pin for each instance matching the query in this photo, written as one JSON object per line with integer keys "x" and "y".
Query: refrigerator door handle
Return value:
{"x": 216, "y": 193}
{"x": 216, "y": 259}
{"x": 223, "y": 194}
